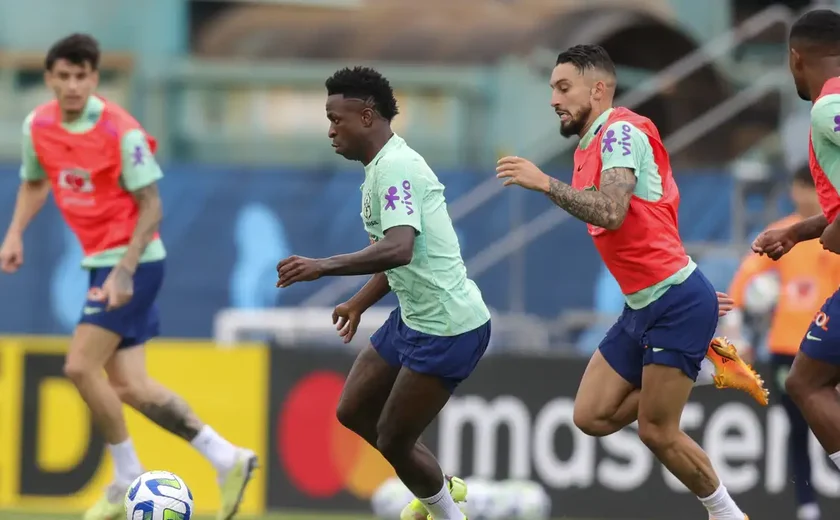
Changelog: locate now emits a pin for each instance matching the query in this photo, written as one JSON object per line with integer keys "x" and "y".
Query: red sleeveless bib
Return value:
{"x": 647, "y": 248}
{"x": 827, "y": 193}
{"x": 84, "y": 171}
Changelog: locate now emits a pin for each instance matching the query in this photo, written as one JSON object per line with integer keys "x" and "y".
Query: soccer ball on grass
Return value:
{"x": 158, "y": 495}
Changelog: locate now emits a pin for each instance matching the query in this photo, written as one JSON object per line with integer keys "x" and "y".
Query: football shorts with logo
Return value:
{"x": 139, "y": 320}
{"x": 822, "y": 340}
{"x": 675, "y": 331}
{"x": 450, "y": 358}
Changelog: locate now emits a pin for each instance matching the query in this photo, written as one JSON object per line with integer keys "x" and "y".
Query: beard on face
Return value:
{"x": 576, "y": 122}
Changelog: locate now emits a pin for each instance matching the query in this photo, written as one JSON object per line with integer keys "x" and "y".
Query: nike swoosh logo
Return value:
{"x": 91, "y": 310}
{"x": 812, "y": 337}
{"x": 657, "y": 349}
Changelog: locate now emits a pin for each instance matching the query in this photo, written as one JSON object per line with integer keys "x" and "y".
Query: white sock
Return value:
{"x": 808, "y": 512}
{"x": 441, "y": 506}
{"x": 127, "y": 465}
{"x": 707, "y": 372}
{"x": 215, "y": 448}
{"x": 721, "y": 506}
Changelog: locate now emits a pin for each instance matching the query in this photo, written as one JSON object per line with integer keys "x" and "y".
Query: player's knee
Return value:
{"x": 76, "y": 369}
{"x": 657, "y": 436}
{"x": 798, "y": 387}
{"x": 349, "y": 416}
{"x": 591, "y": 422}
{"x": 592, "y": 426}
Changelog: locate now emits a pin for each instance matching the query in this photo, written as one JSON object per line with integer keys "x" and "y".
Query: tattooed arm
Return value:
{"x": 605, "y": 208}
{"x": 140, "y": 174}
{"x": 150, "y": 211}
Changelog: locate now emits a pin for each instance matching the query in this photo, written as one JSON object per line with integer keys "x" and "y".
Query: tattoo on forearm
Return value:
{"x": 605, "y": 207}
{"x": 151, "y": 213}
{"x": 174, "y": 415}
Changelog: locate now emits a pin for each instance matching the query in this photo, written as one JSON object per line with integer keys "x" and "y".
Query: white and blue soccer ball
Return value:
{"x": 390, "y": 498}
{"x": 158, "y": 495}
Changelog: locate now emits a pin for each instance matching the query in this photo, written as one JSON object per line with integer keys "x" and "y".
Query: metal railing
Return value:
{"x": 680, "y": 69}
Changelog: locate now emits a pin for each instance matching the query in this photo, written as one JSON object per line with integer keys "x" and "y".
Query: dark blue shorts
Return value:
{"x": 673, "y": 331}
{"x": 822, "y": 341}
{"x": 136, "y": 322}
{"x": 451, "y": 358}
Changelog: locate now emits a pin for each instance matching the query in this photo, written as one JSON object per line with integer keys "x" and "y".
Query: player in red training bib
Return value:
{"x": 99, "y": 164}
{"x": 815, "y": 374}
{"x": 662, "y": 344}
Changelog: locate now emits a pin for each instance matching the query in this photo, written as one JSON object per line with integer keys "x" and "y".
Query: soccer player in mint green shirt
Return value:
{"x": 440, "y": 330}
{"x": 815, "y": 66}
{"x": 120, "y": 314}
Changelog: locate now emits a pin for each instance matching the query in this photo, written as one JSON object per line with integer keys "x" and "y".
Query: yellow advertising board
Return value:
{"x": 52, "y": 458}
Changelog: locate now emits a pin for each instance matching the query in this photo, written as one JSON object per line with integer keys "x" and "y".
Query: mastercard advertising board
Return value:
{"x": 315, "y": 462}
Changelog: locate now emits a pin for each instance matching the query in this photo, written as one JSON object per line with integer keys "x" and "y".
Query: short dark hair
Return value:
{"x": 366, "y": 84}
{"x": 77, "y": 48}
{"x": 803, "y": 176}
{"x": 820, "y": 27}
{"x": 585, "y": 57}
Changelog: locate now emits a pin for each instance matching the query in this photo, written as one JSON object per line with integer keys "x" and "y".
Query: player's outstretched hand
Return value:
{"x": 522, "y": 172}
{"x": 118, "y": 288}
{"x": 774, "y": 243}
{"x": 346, "y": 319}
{"x": 297, "y": 269}
{"x": 11, "y": 254}
{"x": 725, "y": 303}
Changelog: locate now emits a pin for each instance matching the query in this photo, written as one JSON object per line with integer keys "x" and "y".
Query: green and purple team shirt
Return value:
{"x": 435, "y": 295}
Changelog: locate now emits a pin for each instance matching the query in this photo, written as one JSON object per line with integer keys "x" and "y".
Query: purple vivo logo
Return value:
{"x": 391, "y": 198}
{"x": 608, "y": 141}
{"x": 138, "y": 155}
{"x": 625, "y": 139}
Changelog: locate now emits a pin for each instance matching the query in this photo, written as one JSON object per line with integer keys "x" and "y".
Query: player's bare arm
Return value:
{"x": 395, "y": 250}
{"x": 775, "y": 243}
{"x": 830, "y": 238}
{"x": 30, "y": 199}
{"x": 347, "y": 316}
{"x": 119, "y": 286}
{"x": 150, "y": 214}
{"x": 604, "y": 208}
{"x": 374, "y": 290}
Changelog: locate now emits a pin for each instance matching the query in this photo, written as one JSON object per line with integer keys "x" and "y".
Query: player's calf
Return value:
{"x": 812, "y": 384}
{"x": 665, "y": 391}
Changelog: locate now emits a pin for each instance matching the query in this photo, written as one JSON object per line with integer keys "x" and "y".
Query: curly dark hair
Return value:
{"x": 366, "y": 84}
{"x": 77, "y": 48}
{"x": 820, "y": 27}
{"x": 587, "y": 57}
